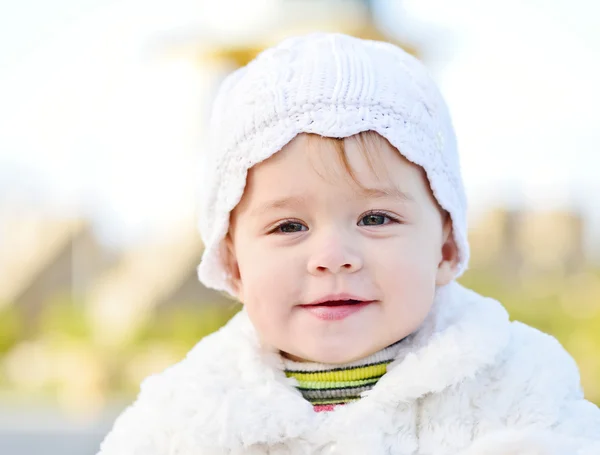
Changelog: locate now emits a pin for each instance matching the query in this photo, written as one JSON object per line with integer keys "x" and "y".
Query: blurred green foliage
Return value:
{"x": 186, "y": 324}
{"x": 64, "y": 316}
{"x": 11, "y": 327}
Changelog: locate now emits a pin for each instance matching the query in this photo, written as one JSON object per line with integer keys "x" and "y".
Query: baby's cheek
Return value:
{"x": 408, "y": 278}
{"x": 405, "y": 258}
{"x": 269, "y": 292}
{"x": 269, "y": 278}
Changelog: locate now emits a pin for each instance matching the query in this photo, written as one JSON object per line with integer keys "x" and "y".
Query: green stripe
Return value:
{"x": 335, "y": 401}
{"x": 317, "y": 385}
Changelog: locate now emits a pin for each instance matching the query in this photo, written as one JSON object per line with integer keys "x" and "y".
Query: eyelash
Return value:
{"x": 276, "y": 229}
{"x": 393, "y": 219}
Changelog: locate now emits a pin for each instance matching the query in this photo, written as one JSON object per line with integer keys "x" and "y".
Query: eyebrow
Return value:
{"x": 388, "y": 192}
{"x": 370, "y": 193}
{"x": 279, "y": 204}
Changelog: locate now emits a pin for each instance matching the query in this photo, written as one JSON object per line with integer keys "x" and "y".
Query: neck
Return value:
{"x": 327, "y": 386}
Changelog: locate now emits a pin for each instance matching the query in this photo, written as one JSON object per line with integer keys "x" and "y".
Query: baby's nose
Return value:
{"x": 334, "y": 257}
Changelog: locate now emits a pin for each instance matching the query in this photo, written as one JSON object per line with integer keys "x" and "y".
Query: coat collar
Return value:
{"x": 229, "y": 377}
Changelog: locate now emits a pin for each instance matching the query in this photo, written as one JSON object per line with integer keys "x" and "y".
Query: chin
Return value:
{"x": 336, "y": 360}
{"x": 340, "y": 356}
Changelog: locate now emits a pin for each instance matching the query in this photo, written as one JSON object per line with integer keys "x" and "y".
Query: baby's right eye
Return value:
{"x": 289, "y": 227}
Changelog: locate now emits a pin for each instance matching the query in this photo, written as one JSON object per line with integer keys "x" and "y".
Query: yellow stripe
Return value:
{"x": 353, "y": 374}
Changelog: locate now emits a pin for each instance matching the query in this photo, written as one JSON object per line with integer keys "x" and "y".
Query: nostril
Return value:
{"x": 331, "y": 266}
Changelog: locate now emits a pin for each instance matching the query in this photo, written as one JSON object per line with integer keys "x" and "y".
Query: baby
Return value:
{"x": 333, "y": 209}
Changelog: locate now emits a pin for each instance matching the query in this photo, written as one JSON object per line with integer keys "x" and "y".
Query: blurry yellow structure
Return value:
{"x": 286, "y": 18}
{"x": 43, "y": 256}
{"x": 124, "y": 296}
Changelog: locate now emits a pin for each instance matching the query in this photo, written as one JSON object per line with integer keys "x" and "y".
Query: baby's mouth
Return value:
{"x": 340, "y": 302}
{"x": 335, "y": 310}
{"x": 339, "y": 299}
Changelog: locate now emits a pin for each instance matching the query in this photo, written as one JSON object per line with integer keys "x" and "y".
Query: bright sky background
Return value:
{"x": 83, "y": 126}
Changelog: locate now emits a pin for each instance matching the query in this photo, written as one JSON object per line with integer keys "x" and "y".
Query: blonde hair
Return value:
{"x": 366, "y": 141}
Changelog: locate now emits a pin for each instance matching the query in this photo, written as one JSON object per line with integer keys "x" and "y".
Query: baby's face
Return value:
{"x": 330, "y": 269}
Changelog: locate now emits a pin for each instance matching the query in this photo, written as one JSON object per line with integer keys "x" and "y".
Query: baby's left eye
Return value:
{"x": 374, "y": 219}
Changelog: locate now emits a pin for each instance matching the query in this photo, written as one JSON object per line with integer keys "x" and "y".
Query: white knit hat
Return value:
{"x": 332, "y": 85}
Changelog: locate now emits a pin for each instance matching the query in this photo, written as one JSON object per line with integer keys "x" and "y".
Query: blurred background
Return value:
{"x": 103, "y": 105}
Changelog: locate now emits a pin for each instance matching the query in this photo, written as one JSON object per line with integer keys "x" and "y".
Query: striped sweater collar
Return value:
{"x": 327, "y": 386}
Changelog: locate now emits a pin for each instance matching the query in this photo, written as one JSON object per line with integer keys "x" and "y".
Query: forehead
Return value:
{"x": 362, "y": 162}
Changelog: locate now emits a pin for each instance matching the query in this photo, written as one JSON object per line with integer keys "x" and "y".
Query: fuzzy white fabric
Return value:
{"x": 468, "y": 382}
{"x": 333, "y": 85}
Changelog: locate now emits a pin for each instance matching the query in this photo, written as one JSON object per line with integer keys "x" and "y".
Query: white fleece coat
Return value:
{"x": 468, "y": 382}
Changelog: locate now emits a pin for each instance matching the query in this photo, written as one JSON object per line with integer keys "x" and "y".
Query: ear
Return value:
{"x": 448, "y": 265}
{"x": 231, "y": 266}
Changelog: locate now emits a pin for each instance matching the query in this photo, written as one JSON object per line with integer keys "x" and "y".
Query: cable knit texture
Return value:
{"x": 332, "y": 85}
{"x": 468, "y": 382}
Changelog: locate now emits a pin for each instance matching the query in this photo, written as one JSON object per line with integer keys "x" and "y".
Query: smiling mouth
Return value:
{"x": 339, "y": 299}
{"x": 336, "y": 310}
{"x": 340, "y": 302}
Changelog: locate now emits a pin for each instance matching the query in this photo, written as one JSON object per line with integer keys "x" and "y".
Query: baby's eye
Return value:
{"x": 290, "y": 227}
{"x": 375, "y": 219}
